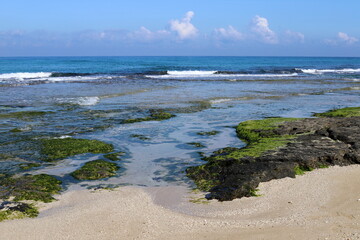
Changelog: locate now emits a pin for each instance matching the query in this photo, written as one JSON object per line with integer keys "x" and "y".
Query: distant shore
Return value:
{"x": 322, "y": 204}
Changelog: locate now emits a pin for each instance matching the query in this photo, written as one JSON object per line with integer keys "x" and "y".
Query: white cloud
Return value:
{"x": 346, "y": 38}
{"x": 294, "y": 36}
{"x": 184, "y": 28}
{"x": 229, "y": 33}
{"x": 260, "y": 26}
{"x": 144, "y": 34}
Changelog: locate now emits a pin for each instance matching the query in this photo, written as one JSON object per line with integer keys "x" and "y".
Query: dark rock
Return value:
{"x": 318, "y": 142}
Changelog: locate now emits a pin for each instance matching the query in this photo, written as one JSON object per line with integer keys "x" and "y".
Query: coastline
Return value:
{"x": 322, "y": 204}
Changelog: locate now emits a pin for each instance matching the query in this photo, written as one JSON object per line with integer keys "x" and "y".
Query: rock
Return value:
{"x": 314, "y": 143}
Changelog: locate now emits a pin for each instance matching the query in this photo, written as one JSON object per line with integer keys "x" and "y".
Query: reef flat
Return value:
{"x": 278, "y": 148}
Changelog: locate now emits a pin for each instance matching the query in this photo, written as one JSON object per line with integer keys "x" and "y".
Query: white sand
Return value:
{"x": 323, "y": 204}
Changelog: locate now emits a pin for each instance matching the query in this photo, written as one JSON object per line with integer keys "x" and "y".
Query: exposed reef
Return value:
{"x": 56, "y": 148}
{"x": 30, "y": 187}
{"x": 155, "y": 115}
{"x": 278, "y": 148}
{"x": 94, "y": 170}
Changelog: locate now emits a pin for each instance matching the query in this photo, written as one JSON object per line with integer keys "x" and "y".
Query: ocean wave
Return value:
{"x": 44, "y": 77}
{"x": 322, "y": 71}
{"x": 216, "y": 75}
{"x": 190, "y": 73}
{"x": 24, "y": 75}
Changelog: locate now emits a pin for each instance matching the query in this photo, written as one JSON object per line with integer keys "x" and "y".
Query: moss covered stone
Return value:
{"x": 15, "y": 210}
{"x": 343, "y": 112}
{"x": 196, "y": 144}
{"x": 114, "y": 156}
{"x": 140, "y": 136}
{"x": 210, "y": 133}
{"x": 31, "y": 187}
{"x": 260, "y": 137}
{"x": 54, "y": 149}
{"x": 94, "y": 170}
{"x": 155, "y": 115}
{"x": 27, "y": 166}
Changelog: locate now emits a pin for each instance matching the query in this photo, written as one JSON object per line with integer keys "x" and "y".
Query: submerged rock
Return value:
{"x": 58, "y": 148}
{"x": 155, "y": 115}
{"x": 94, "y": 170}
{"x": 29, "y": 187}
{"x": 278, "y": 148}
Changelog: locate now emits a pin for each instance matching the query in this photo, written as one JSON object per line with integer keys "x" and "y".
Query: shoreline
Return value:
{"x": 322, "y": 204}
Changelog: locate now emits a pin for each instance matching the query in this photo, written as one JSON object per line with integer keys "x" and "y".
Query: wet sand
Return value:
{"x": 322, "y": 204}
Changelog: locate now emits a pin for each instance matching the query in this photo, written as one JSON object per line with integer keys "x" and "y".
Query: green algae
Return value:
{"x": 342, "y": 112}
{"x": 260, "y": 137}
{"x": 30, "y": 187}
{"x": 15, "y": 130}
{"x": 301, "y": 170}
{"x": 94, "y": 170}
{"x": 254, "y": 130}
{"x": 27, "y": 166}
{"x": 196, "y": 144}
{"x": 155, "y": 115}
{"x": 114, "y": 156}
{"x": 23, "y": 210}
{"x": 55, "y": 149}
{"x": 254, "y": 193}
{"x": 140, "y": 136}
{"x": 24, "y": 115}
{"x": 210, "y": 133}
{"x": 203, "y": 178}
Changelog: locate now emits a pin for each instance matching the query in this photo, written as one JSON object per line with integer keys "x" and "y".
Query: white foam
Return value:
{"x": 322, "y": 71}
{"x": 211, "y": 75}
{"x": 83, "y": 101}
{"x": 191, "y": 73}
{"x": 72, "y": 78}
{"x": 221, "y": 100}
{"x": 24, "y": 75}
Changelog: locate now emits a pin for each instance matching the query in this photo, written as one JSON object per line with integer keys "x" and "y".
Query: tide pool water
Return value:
{"x": 89, "y": 97}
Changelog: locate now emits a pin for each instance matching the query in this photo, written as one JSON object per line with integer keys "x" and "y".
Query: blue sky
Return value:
{"x": 197, "y": 27}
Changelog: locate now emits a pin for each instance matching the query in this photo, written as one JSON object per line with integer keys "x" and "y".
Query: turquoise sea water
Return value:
{"x": 89, "y": 97}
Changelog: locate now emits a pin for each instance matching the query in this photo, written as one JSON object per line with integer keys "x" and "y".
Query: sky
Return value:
{"x": 178, "y": 28}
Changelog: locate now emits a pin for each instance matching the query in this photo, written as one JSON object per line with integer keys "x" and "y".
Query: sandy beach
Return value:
{"x": 322, "y": 204}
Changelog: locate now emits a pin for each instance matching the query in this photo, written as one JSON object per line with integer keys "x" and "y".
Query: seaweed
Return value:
{"x": 94, "y": 170}
{"x": 210, "y": 133}
{"x": 114, "y": 156}
{"x": 155, "y": 115}
{"x": 343, "y": 112}
{"x": 54, "y": 149}
{"x": 30, "y": 187}
{"x": 196, "y": 144}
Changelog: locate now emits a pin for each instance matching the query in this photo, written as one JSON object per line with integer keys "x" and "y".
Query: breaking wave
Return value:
{"x": 322, "y": 71}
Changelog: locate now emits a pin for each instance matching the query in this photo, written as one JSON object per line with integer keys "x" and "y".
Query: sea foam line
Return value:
{"x": 24, "y": 75}
{"x": 213, "y": 74}
{"x": 321, "y": 71}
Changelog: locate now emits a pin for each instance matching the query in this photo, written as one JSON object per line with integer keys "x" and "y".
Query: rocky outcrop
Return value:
{"x": 310, "y": 143}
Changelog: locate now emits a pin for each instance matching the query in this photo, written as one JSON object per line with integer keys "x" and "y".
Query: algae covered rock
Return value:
{"x": 277, "y": 148}
{"x": 30, "y": 187}
{"x": 155, "y": 115}
{"x": 14, "y": 210}
{"x": 54, "y": 149}
{"x": 342, "y": 112}
{"x": 94, "y": 170}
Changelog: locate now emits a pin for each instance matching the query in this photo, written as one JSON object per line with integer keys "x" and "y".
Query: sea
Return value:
{"x": 90, "y": 97}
